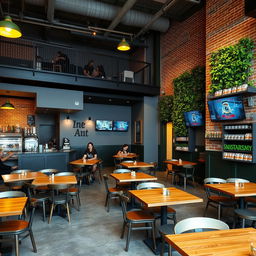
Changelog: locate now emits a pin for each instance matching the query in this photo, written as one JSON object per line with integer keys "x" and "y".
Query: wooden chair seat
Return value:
{"x": 42, "y": 188}
{"x": 157, "y": 210}
{"x": 10, "y": 226}
{"x": 115, "y": 190}
{"x": 139, "y": 216}
{"x": 223, "y": 199}
{"x": 124, "y": 184}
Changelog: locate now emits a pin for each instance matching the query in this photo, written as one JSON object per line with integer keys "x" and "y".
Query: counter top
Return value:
{"x": 47, "y": 152}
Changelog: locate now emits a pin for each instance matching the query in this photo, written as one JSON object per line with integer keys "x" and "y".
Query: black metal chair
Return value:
{"x": 17, "y": 228}
{"x": 188, "y": 173}
{"x": 134, "y": 218}
{"x": 21, "y": 171}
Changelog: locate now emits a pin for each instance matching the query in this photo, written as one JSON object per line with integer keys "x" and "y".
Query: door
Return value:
{"x": 169, "y": 141}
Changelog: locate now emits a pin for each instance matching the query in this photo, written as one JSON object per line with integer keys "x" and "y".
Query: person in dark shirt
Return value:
{"x": 5, "y": 169}
{"x": 91, "y": 154}
{"x": 99, "y": 72}
{"x": 63, "y": 60}
{"x": 89, "y": 68}
{"x": 124, "y": 150}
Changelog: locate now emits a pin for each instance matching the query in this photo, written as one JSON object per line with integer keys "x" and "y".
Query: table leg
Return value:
{"x": 241, "y": 203}
{"x": 163, "y": 215}
{"x": 132, "y": 204}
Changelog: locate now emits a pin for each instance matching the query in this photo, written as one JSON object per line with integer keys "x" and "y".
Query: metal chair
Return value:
{"x": 112, "y": 193}
{"x": 15, "y": 185}
{"x": 233, "y": 180}
{"x": 73, "y": 191}
{"x": 121, "y": 171}
{"x": 171, "y": 170}
{"x": 17, "y": 228}
{"x": 127, "y": 161}
{"x": 57, "y": 198}
{"x": 149, "y": 170}
{"x": 21, "y": 171}
{"x": 99, "y": 169}
{"x": 123, "y": 185}
{"x": 132, "y": 218}
{"x": 216, "y": 199}
{"x": 189, "y": 171}
{"x": 49, "y": 171}
{"x": 244, "y": 214}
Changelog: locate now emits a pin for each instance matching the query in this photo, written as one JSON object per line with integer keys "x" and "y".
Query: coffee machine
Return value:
{"x": 66, "y": 144}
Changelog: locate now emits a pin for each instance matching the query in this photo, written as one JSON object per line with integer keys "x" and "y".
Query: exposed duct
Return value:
{"x": 105, "y": 11}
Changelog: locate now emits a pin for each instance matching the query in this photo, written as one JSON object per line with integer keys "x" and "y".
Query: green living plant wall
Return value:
{"x": 165, "y": 107}
{"x": 231, "y": 65}
{"x": 189, "y": 94}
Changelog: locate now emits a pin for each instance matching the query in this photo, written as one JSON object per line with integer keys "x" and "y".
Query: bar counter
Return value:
{"x": 36, "y": 161}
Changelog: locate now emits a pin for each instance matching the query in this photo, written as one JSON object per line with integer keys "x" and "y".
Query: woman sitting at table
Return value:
{"x": 91, "y": 154}
{"x": 6, "y": 169}
{"x": 123, "y": 150}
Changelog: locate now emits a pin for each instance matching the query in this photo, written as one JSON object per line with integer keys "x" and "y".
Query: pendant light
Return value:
{"x": 7, "y": 105}
{"x": 9, "y": 28}
{"x": 123, "y": 46}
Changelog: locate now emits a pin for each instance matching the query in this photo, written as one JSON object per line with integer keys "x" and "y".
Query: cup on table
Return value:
{"x": 133, "y": 173}
{"x": 165, "y": 192}
{"x": 253, "y": 248}
{"x": 135, "y": 162}
{"x": 237, "y": 184}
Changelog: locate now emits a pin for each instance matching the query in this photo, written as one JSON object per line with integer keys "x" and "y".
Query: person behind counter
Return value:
{"x": 6, "y": 169}
{"x": 91, "y": 154}
{"x": 123, "y": 150}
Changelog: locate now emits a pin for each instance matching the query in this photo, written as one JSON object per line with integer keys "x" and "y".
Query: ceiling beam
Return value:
{"x": 164, "y": 9}
{"x": 50, "y": 10}
{"x": 127, "y": 6}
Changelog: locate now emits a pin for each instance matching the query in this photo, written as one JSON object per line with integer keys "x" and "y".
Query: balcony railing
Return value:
{"x": 40, "y": 56}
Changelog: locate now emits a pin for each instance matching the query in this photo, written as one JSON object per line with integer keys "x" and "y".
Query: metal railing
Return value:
{"x": 40, "y": 56}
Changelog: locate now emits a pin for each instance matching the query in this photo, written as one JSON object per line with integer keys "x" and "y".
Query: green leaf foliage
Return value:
{"x": 165, "y": 108}
{"x": 231, "y": 66}
{"x": 189, "y": 94}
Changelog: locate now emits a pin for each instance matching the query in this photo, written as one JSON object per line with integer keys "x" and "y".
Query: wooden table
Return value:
{"x": 81, "y": 162}
{"x": 12, "y": 206}
{"x": 27, "y": 176}
{"x": 174, "y": 162}
{"x": 136, "y": 165}
{"x": 44, "y": 181}
{"x": 231, "y": 242}
{"x": 249, "y": 189}
{"x": 130, "y": 155}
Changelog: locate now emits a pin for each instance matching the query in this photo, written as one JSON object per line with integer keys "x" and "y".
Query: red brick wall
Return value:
{"x": 225, "y": 25}
{"x": 17, "y": 116}
{"x": 182, "y": 49}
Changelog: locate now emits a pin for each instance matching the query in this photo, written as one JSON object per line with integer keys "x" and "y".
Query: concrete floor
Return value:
{"x": 93, "y": 231}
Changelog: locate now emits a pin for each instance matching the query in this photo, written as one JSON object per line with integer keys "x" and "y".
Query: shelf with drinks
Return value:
{"x": 213, "y": 135}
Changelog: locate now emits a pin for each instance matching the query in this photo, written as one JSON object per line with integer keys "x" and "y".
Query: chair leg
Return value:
{"x": 77, "y": 201}
{"x": 67, "y": 206}
{"x": 128, "y": 237}
{"x": 170, "y": 251}
{"x": 123, "y": 229}
{"x": 162, "y": 246}
{"x": 219, "y": 211}
{"x": 50, "y": 217}
{"x": 32, "y": 241}
{"x": 185, "y": 183}
{"x": 243, "y": 223}
{"x": 154, "y": 235}
{"x": 108, "y": 203}
{"x": 16, "y": 245}
{"x": 43, "y": 204}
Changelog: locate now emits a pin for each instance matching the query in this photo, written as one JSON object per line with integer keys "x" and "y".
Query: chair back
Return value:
{"x": 58, "y": 186}
{"x": 199, "y": 224}
{"x": 12, "y": 194}
{"x": 21, "y": 171}
{"x": 150, "y": 185}
{"x": 18, "y": 184}
{"x": 105, "y": 178}
{"x": 213, "y": 181}
{"x": 233, "y": 180}
{"x": 49, "y": 171}
{"x": 122, "y": 171}
{"x": 128, "y": 161}
{"x": 65, "y": 174}
{"x": 189, "y": 169}
{"x": 124, "y": 200}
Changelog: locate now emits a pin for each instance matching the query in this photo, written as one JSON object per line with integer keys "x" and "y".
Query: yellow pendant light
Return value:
{"x": 7, "y": 105}
{"x": 123, "y": 46}
{"x": 9, "y": 28}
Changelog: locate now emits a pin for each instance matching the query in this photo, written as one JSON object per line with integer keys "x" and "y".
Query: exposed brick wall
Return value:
{"x": 17, "y": 116}
{"x": 225, "y": 25}
{"x": 182, "y": 49}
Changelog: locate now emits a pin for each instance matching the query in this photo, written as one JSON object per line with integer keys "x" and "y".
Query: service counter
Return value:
{"x": 54, "y": 160}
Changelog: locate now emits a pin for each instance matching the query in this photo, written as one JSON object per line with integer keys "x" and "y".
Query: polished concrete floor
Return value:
{"x": 94, "y": 231}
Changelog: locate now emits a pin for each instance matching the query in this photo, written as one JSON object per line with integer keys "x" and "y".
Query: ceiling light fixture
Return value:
{"x": 123, "y": 45}
{"x": 7, "y": 105}
{"x": 9, "y": 29}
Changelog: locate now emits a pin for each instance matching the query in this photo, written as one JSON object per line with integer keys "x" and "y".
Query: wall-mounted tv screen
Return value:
{"x": 120, "y": 126}
{"x": 224, "y": 109}
{"x": 103, "y": 125}
{"x": 193, "y": 118}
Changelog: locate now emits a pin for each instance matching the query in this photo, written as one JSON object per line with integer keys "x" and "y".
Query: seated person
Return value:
{"x": 99, "y": 72}
{"x": 123, "y": 150}
{"x": 89, "y": 68}
{"x": 5, "y": 169}
{"x": 91, "y": 154}
{"x": 62, "y": 60}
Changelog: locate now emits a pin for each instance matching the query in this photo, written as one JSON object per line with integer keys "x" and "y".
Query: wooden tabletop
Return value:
{"x": 176, "y": 162}
{"x": 249, "y": 189}
{"x": 136, "y": 165}
{"x": 44, "y": 181}
{"x": 26, "y": 176}
{"x": 81, "y": 162}
{"x": 155, "y": 197}
{"x": 12, "y": 206}
{"x": 127, "y": 177}
{"x": 230, "y": 242}
{"x": 130, "y": 155}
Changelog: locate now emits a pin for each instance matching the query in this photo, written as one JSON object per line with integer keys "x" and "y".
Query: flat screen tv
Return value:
{"x": 193, "y": 118}
{"x": 225, "y": 109}
{"x": 104, "y": 125}
{"x": 120, "y": 126}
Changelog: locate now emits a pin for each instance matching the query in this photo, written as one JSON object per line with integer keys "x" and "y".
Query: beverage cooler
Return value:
{"x": 11, "y": 142}
{"x": 31, "y": 144}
